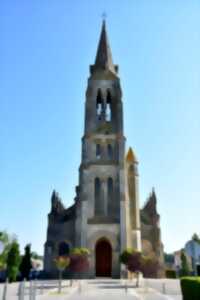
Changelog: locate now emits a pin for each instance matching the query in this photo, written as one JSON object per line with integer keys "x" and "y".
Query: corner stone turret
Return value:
{"x": 56, "y": 204}
{"x": 151, "y": 232}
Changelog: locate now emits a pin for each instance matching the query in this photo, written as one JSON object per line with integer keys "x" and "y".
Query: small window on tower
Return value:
{"x": 98, "y": 151}
{"x": 108, "y": 107}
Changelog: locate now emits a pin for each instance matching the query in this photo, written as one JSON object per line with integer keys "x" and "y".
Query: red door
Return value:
{"x": 103, "y": 259}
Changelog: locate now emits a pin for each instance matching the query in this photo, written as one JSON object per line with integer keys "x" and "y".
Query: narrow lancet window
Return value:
{"x": 110, "y": 196}
{"x": 98, "y": 151}
{"x": 97, "y": 196}
{"x": 99, "y": 104}
{"x": 110, "y": 151}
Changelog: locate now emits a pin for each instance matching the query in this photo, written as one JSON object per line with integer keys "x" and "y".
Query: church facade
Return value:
{"x": 106, "y": 217}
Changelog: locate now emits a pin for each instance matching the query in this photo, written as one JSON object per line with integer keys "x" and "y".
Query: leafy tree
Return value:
{"x": 25, "y": 266}
{"x": 13, "y": 261}
{"x": 62, "y": 262}
{"x": 35, "y": 255}
{"x": 135, "y": 262}
{"x": 5, "y": 241}
{"x": 185, "y": 270}
{"x": 196, "y": 238}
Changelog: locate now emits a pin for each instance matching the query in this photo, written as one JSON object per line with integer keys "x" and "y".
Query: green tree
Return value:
{"x": 13, "y": 261}
{"x": 136, "y": 262}
{"x": 4, "y": 240}
{"x": 196, "y": 238}
{"x": 35, "y": 255}
{"x": 62, "y": 262}
{"x": 26, "y": 265}
{"x": 185, "y": 270}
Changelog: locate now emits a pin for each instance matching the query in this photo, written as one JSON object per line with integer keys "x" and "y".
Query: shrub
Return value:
{"x": 190, "y": 287}
{"x": 79, "y": 260}
{"x": 125, "y": 256}
{"x": 149, "y": 267}
{"x": 80, "y": 251}
{"x": 170, "y": 274}
{"x": 136, "y": 262}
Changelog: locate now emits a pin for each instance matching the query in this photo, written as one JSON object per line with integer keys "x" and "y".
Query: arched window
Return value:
{"x": 97, "y": 196}
{"x": 110, "y": 151}
{"x": 63, "y": 249}
{"x": 108, "y": 106}
{"x": 110, "y": 199}
{"x": 99, "y": 104}
{"x": 98, "y": 151}
{"x": 110, "y": 187}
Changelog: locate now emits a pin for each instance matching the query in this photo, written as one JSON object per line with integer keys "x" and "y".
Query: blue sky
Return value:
{"x": 46, "y": 48}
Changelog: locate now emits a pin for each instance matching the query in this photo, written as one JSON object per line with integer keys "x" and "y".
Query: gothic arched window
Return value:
{"x": 110, "y": 151}
{"x": 110, "y": 187}
{"x": 99, "y": 104}
{"x": 63, "y": 249}
{"x": 98, "y": 151}
{"x": 97, "y": 196}
{"x": 110, "y": 195}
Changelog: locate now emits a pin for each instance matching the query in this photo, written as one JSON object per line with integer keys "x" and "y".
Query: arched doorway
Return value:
{"x": 103, "y": 254}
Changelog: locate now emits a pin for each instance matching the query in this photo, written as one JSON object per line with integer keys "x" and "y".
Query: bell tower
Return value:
{"x": 102, "y": 177}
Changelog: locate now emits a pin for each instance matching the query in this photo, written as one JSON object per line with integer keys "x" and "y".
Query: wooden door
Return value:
{"x": 103, "y": 259}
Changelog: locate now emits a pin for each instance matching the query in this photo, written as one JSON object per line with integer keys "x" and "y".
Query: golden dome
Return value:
{"x": 130, "y": 156}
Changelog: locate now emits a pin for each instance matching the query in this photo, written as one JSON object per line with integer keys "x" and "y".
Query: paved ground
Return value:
{"x": 102, "y": 289}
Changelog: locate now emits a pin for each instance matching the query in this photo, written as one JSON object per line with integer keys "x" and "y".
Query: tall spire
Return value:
{"x": 103, "y": 59}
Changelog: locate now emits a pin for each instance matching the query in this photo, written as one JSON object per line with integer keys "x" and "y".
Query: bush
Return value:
{"x": 79, "y": 260}
{"x": 149, "y": 267}
{"x": 190, "y": 287}
{"x": 126, "y": 255}
{"x": 170, "y": 274}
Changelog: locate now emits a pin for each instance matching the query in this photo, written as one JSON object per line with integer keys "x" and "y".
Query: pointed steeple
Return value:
{"x": 131, "y": 157}
{"x": 103, "y": 59}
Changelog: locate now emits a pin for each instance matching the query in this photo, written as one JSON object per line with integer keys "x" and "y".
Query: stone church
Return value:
{"x": 106, "y": 217}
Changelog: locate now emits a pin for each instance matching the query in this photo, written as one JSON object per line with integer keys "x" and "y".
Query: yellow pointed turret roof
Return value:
{"x": 130, "y": 156}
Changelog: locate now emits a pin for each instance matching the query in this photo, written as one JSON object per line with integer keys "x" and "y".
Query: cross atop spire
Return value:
{"x": 103, "y": 59}
{"x": 104, "y": 15}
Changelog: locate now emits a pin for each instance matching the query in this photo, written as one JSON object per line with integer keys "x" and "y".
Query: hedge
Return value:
{"x": 190, "y": 287}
